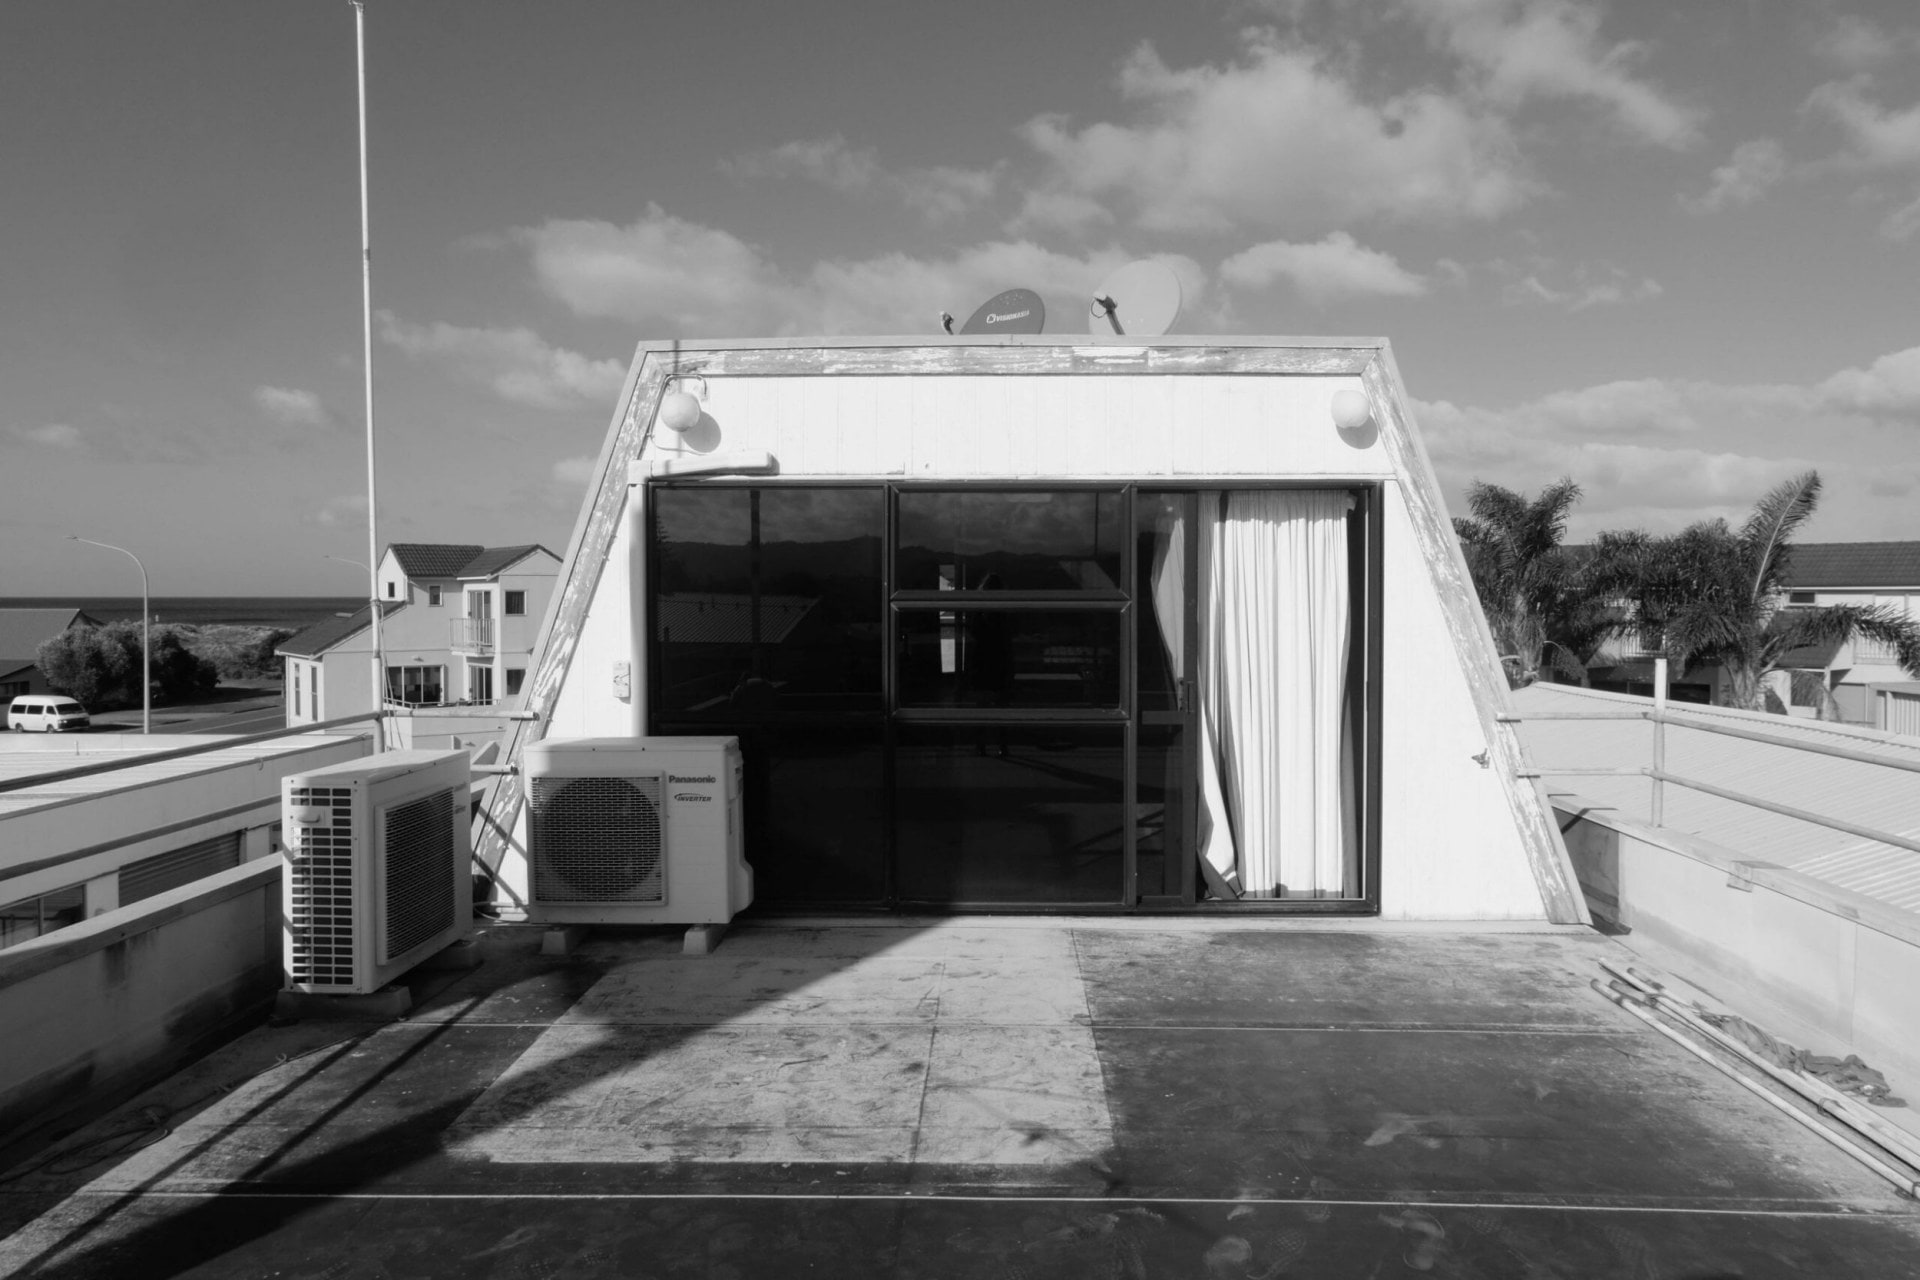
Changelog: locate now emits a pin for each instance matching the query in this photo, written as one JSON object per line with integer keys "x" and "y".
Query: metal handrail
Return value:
{"x": 135, "y": 759}
{"x": 1686, "y": 721}
{"x": 1660, "y": 717}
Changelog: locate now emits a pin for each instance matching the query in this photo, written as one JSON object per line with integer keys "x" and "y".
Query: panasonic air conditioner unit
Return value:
{"x": 635, "y": 831}
{"x": 378, "y": 868}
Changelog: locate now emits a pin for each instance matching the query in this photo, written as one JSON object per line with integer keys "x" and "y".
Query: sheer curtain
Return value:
{"x": 1276, "y": 784}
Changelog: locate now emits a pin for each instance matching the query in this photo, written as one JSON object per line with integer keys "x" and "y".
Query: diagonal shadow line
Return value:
{"x": 178, "y": 1243}
{"x": 230, "y": 1127}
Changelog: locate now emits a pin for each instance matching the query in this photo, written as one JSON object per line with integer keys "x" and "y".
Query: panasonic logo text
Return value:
{"x": 674, "y": 777}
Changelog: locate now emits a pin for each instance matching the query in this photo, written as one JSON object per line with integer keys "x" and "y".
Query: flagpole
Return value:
{"x": 377, "y": 691}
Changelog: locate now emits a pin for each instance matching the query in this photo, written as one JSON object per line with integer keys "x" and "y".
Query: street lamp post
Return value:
{"x": 146, "y": 627}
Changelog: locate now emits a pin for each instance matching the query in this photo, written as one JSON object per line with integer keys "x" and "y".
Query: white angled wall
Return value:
{"x": 1451, "y": 848}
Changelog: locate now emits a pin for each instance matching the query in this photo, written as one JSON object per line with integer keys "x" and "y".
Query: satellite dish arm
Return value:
{"x": 1106, "y": 306}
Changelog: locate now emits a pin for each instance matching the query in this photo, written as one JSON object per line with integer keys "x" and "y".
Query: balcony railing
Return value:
{"x": 471, "y": 635}
{"x": 1662, "y": 716}
{"x": 1867, "y": 652}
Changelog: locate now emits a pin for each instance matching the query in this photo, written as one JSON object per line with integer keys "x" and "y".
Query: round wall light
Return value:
{"x": 1352, "y": 411}
{"x": 679, "y": 411}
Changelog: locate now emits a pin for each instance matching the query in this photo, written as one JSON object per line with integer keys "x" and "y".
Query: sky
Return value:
{"x": 1668, "y": 248}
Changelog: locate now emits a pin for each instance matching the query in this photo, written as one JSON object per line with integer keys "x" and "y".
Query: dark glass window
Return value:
{"x": 768, "y": 603}
{"x": 1013, "y": 813}
{"x": 515, "y": 603}
{"x": 815, "y": 810}
{"x": 1009, "y": 541}
{"x": 1009, "y": 658}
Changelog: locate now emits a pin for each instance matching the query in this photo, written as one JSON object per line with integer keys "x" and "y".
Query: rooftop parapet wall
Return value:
{"x": 1842, "y": 966}
{"x": 97, "y": 1009}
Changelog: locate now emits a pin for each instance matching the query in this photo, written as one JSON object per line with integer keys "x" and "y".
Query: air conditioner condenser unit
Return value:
{"x": 379, "y": 874}
{"x": 635, "y": 831}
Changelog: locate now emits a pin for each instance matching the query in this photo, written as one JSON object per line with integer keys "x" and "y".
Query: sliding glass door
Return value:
{"x": 1009, "y": 613}
{"x": 1026, "y": 697}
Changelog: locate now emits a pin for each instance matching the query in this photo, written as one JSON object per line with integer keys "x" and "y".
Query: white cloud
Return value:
{"x": 1877, "y": 138}
{"x": 1854, "y": 43}
{"x": 1328, "y": 270}
{"x": 829, "y": 161}
{"x": 516, "y": 364}
{"x": 292, "y": 408}
{"x": 1887, "y": 388}
{"x": 1665, "y": 452}
{"x": 574, "y": 472}
{"x": 346, "y": 508}
{"x": 1526, "y": 49}
{"x": 677, "y": 277}
{"x": 1540, "y": 282}
{"x": 936, "y": 193}
{"x": 943, "y": 191}
{"x": 54, "y": 435}
{"x": 1280, "y": 138}
{"x": 656, "y": 269}
{"x": 1903, "y": 222}
{"x": 1754, "y": 168}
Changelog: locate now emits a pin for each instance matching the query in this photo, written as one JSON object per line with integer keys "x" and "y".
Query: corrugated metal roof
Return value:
{"x": 1811, "y": 565}
{"x": 1865, "y": 794}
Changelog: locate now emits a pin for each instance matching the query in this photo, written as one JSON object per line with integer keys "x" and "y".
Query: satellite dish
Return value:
{"x": 1015, "y": 311}
{"x": 1141, "y": 299}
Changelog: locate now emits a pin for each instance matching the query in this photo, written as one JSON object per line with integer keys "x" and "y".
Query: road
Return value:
{"x": 244, "y": 715}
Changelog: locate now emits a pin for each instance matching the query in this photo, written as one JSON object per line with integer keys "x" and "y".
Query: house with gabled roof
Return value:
{"x": 457, "y": 625}
{"x": 1864, "y": 677}
{"x": 22, "y": 632}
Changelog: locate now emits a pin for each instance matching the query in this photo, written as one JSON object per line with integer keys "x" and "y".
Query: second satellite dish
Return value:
{"x": 1015, "y": 311}
{"x": 1141, "y": 299}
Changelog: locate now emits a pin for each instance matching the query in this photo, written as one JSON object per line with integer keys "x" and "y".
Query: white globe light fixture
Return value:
{"x": 1351, "y": 410}
{"x": 679, "y": 411}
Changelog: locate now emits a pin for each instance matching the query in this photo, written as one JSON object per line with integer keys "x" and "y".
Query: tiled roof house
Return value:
{"x": 457, "y": 627}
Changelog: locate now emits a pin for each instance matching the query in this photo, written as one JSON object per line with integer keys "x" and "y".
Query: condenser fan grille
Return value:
{"x": 598, "y": 840}
{"x": 420, "y": 871}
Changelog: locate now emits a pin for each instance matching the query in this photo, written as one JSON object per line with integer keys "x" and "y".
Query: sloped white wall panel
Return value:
{"x": 1449, "y": 848}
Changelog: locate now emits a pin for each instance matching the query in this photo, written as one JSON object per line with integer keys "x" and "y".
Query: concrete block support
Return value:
{"x": 701, "y": 939}
{"x": 561, "y": 939}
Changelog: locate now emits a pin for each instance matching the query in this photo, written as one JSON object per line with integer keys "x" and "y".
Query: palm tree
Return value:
{"x": 1547, "y": 607}
{"x": 1708, "y": 594}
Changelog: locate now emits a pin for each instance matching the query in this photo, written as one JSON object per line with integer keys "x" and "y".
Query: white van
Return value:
{"x": 46, "y": 712}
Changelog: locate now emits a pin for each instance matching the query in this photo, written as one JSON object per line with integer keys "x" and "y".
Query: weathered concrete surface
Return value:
{"x": 971, "y": 1098}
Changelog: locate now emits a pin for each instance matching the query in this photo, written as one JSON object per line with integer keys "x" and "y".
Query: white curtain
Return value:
{"x": 1276, "y": 786}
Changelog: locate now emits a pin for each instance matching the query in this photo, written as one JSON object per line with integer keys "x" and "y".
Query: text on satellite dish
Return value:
{"x": 1011, "y": 315}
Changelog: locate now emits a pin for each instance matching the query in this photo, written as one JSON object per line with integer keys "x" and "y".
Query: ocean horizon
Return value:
{"x": 292, "y": 612}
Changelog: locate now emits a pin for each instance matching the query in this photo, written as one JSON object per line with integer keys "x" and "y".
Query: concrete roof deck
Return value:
{"x": 970, "y": 1097}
